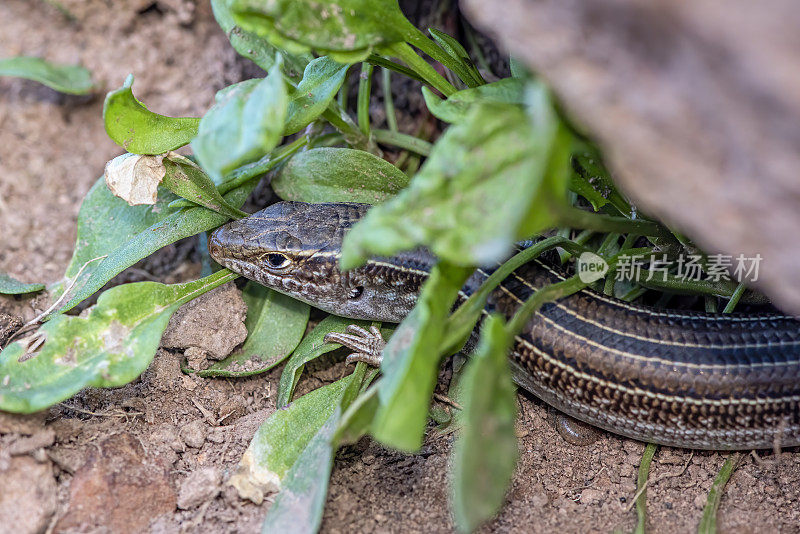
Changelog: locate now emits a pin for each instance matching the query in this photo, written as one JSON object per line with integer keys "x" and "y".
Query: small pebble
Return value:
{"x": 194, "y": 434}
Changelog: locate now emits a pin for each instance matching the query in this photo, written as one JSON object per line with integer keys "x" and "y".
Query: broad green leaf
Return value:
{"x": 275, "y": 325}
{"x": 103, "y": 250}
{"x": 97, "y": 238}
{"x": 480, "y": 190}
{"x": 253, "y": 47}
{"x": 245, "y": 43}
{"x": 313, "y": 346}
{"x": 298, "y": 507}
{"x": 411, "y": 362}
{"x": 72, "y": 79}
{"x": 140, "y": 131}
{"x": 357, "y": 419}
{"x": 244, "y": 125}
{"x": 279, "y": 442}
{"x": 185, "y": 179}
{"x": 486, "y": 452}
{"x": 322, "y": 79}
{"x": 457, "y": 106}
{"x": 346, "y": 29}
{"x": 12, "y": 286}
{"x": 338, "y": 175}
{"x": 110, "y": 347}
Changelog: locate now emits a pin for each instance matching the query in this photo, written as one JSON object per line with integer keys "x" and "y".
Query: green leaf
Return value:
{"x": 357, "y": 419}
{"x": 103, "y": 250}
{"x": 411, "y": 361}
{"x": 346, "y": 29}
{"x": 338, "y": 175}
{"x": 462, "y": 63}
{"x": 184, "y": 178}
{"x": 486, "y": 184}
{"x": 313, "y": 346}
{"x": 275, "y": 325}
{"x": 486, "y": 452}
{"x": 298, "y": 507}
{"x": 72, "y": 79}
{"x": 590, "y": 179}
{"x": 245, "y": 43}
{"x": 517, "y": 68}
{"x": 458, "y": 105}
{"x": 110, "y": 347}
{"x": 12, "y": 286}
{"x": 140, "y": 131}
{"x": 253, "y": 47}
{"x": 322, "y": 79}
{"x": 97, "y": 238}
{"x": 244, "y": 125}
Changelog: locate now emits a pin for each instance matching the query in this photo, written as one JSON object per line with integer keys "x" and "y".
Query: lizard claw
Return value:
{"x": 368, "y": 345}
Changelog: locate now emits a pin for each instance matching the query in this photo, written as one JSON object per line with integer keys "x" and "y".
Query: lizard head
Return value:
{"x": 293, "y": 248}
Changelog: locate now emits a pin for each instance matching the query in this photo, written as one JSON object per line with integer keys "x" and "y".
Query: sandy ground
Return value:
{"x": 154, "y": 456}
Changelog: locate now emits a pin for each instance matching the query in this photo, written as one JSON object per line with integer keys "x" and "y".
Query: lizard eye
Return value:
{"x": 277, "y": 261}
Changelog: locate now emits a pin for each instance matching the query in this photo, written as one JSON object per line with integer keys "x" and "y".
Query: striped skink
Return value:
{"x": 679, "y": 378}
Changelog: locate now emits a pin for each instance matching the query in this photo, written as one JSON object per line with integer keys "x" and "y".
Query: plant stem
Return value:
{"x": 344, "y": 124}
{"x": 364, "y": 92}
{"x": 542, "y": 296}
{"x": 708, "y": 523}
{"x": 404, "y": 52}
{"x": 380, "y": 61}
{"x": 578, "y": 218}
{"x": 388, "y": 102}
{"x": 737, "y": 294}
{"x": 247, "y": 172}
{"x": 405, "y": 141}
{"x": 462, "y": 321}
{"x": 641, "y": 487}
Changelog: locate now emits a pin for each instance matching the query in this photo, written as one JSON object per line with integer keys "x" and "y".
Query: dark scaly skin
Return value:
{"x": 686, "y": 379}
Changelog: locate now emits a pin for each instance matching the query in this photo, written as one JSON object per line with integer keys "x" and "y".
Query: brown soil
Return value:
{"x": 155, "y": 456}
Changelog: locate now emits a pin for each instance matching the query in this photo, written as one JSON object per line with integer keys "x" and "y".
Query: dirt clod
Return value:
{"x": 194, "y": 434}
{"x": 212, "y": 323}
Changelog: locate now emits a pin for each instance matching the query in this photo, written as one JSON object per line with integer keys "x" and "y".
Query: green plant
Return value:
{"x": 507, "y": 167}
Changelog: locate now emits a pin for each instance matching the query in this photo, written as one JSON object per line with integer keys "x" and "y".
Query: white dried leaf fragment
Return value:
{"x": 253, "y": 481}
{"x": 135, "y": 177}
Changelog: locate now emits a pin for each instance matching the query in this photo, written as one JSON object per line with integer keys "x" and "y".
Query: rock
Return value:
{"x": 213, "y": 322}
{"x": 200, "y": 486}
{"x": 28, "y": 496}
{"x": 696, "y": 104}
{"x": 194, "y": 434}
{"x": 119, "y": 489}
